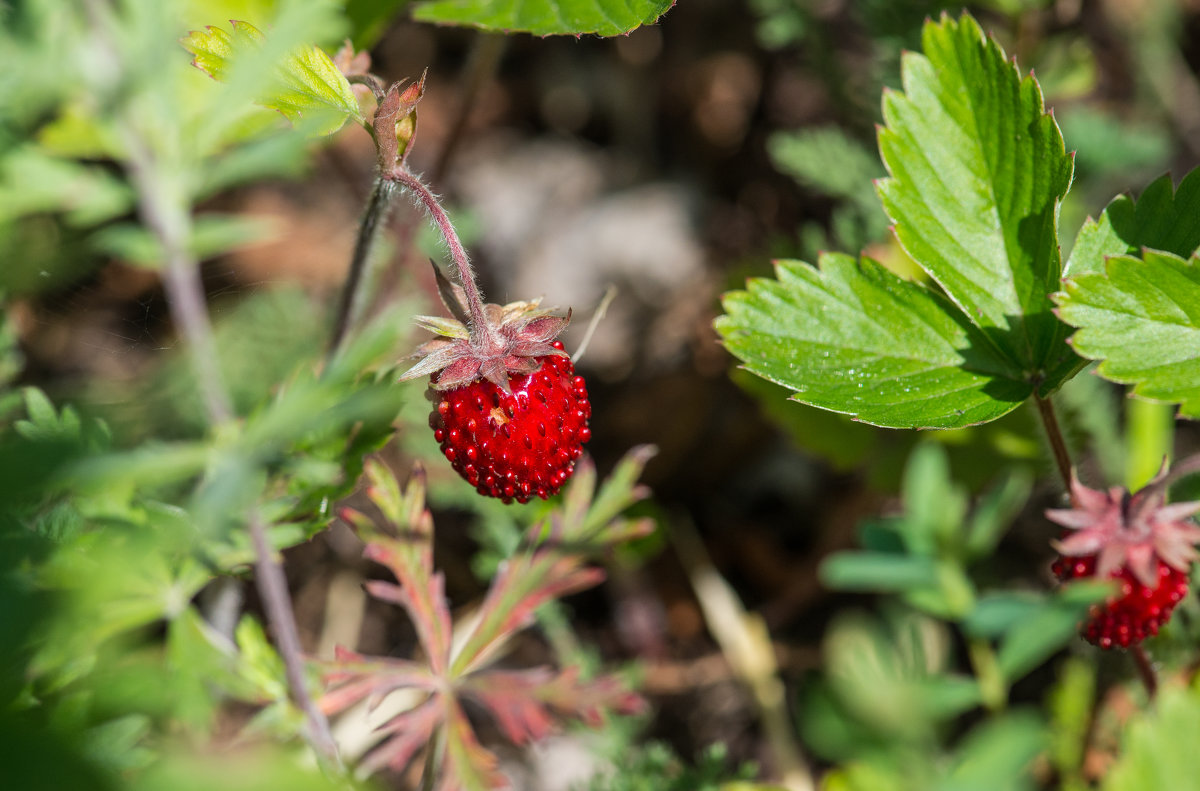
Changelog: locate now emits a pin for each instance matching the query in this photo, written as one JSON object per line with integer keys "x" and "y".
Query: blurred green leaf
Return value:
{"x": 996, "y": 511}
{"x": 545, "y": 17}
{"x": 1104, "y": 143}
{"x": 307, "y": 85}
{"x": 1070, "y": 703}
{"x": 934, "y": 507}
{"x": 211, "y": 235}
{"x": 32, "y": 181}
{"x": 998, "y": 755}
{"x": 1047, "y": 629}
{"x": 1158, "y": 749}
{"x": 830, "y": 161}
{"x": 369, "y": 19}
{"x": 878, "y": 572}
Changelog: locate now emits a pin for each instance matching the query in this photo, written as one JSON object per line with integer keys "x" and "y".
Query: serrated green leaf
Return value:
{"x": 977, "y": 172}
{"x": 1141, "y": 318}
{"x": 852, "y": 337}
{"x": 545, "y": 17}
{"x": 307, "y": 85}
{"x": 1163, "y": 218}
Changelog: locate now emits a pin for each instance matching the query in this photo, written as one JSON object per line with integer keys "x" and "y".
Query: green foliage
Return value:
{"x": 654, "y": 767}
{"x": 1156, "y": 751}
{"x": 1162, "y": 218}
{"x": 831, "y": 162}
{"x": 307, "y": 86}
{"x": 852, "y": 337}
{"x": 978, "y": 169}
{"x": 551, "y": 563}
{"x": 1141, "y": 318}
{"x": 545, "y": 17}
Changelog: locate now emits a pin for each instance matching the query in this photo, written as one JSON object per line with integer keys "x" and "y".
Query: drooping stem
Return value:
{"x": 356, "y": 294}
{"x": 480, "y": 328}
{"x": 1054, "y": 435}
{"x": 1145, "y": 669}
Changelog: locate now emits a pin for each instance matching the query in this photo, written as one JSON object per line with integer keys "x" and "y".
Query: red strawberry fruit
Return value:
{"x": 520, "y": 443}
{"x": 1148, "y": 547}
{"x": 509, "y": 412}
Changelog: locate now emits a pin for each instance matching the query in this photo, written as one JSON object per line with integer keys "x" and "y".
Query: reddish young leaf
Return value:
{"x": 526, "y": 704}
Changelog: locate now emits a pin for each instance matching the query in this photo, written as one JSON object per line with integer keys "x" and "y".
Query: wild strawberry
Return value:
{"x": 1148, "y": 547}
{"x": 509, "y": 412}
{"x": 516, "y": 444}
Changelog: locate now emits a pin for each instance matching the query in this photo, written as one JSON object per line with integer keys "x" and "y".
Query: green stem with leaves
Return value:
{"x": 165, "y": 213}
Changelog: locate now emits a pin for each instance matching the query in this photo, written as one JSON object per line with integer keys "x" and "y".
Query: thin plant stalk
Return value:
{"x": 1054, "y": 435}
{"x": 1145, "y": 669}
{"x": 458, "y": 254}
{"x": 166, "y": 216}
{"x": 356, "y": 294}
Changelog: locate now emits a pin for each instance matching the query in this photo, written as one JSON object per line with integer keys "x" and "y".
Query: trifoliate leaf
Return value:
{"x": 545, "y": 17}
{"x": 307, "y": 84}
{"x": 1163, "y": 218}
{"x": 977, "y": 172}
{"x": 852, "y": 337}
{"x": 1141, "y": 318}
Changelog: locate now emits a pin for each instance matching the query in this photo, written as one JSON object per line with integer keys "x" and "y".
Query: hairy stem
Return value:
{"x": 480, "y": 328}
{"x": 356, "y": 294}
{"x": 1058, "y": 444}
{"x": 164, "y": 211}
{"x": 1145, "y": 669}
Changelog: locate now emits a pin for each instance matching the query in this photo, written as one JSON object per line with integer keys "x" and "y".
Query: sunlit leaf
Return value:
{"x": 977, "y": 172}
{"x": 852, "y": 337}
{"x": 545, "y": 17}
{"x": 307, "y": 85}
{"x": 1141, "y": 319}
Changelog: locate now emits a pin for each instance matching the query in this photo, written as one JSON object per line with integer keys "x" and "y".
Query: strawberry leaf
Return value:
{"x": 1141, "y": 319}
{"x": 977, "y": 172}
{"x": 1163, "y": 218}
{"x": 852, "y": 337}
{"x": 546, "y": 17}
{"x": 307, "y": 85}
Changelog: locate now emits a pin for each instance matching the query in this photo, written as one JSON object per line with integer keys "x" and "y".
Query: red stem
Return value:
{"x": 1058, "y": 444}
{"x": 1145, "y": 669}
{"x": 481, "y": 330}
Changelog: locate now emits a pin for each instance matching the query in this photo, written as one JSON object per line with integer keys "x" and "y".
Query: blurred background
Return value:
{"x": 671, "y": 163}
